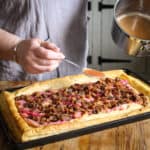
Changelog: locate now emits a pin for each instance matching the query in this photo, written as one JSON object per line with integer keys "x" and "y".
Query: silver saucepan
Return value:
{"x": 131, "y": 26}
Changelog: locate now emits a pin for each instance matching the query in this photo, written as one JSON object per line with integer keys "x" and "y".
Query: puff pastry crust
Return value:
{"x": 23, "y": 132}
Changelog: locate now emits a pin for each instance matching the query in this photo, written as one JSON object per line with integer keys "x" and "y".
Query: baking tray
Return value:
{"x": 75, "y": 133}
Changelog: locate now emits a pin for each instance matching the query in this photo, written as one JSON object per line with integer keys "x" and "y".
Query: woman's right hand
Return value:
{"x": 37, "y": 56}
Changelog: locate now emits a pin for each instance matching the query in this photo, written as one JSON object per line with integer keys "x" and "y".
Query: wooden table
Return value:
{"x": 135, "y": 136}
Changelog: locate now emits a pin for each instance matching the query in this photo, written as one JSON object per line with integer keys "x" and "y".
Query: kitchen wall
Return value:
{"x": 103, "y": 53}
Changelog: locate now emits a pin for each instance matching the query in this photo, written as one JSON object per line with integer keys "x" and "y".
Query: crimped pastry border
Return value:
{"x": 23, "y": 132}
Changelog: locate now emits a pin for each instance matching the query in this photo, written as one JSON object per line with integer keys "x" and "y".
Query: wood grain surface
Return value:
{"x": 135, "y": 136}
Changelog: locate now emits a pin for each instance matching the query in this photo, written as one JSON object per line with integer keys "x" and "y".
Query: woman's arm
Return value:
{"x": 7, "y": 43}
{"x": 34, "y": 55}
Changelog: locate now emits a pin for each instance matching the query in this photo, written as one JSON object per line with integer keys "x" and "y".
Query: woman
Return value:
{"x": 24, "y": 27}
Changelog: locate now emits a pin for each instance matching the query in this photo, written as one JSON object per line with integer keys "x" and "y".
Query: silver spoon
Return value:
{"x": 67, "y": 60}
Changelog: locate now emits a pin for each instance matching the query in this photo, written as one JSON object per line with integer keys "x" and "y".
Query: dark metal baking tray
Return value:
{"x": 75, "y": 133}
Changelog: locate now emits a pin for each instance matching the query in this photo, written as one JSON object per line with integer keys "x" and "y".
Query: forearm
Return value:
{"x": 34, "y": 55}
{"x": 7, "y": 42}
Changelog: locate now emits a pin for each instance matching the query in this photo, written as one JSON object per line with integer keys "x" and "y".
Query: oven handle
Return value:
{"x": 102, "y": 60}
{"x": 102, "y": 6}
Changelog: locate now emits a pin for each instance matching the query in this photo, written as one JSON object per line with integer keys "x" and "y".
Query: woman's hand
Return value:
{"x": 37, "y": 56}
